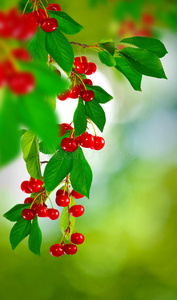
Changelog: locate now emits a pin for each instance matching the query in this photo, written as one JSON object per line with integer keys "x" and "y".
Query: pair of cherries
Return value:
{"x": 40, "y": 211}
{"x": 63, "y": 200}
{"x": 32, "y": 186}
{"x": 83, "y": 66}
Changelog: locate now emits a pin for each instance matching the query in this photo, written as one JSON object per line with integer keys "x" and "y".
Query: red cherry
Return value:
{"x": 49, "y": 24}
{"x": 92, "y": 69}
{"x": 69, "y": 145}
{"x": 33, "y": 18}
{"x": 21, "y": 54}
{"x": 70, "y": 249}
{"x": 148, "y": 19}
{"x": 61, "y": 192}
{"x": 62, "y": 200}
{"x": 8, "y": 68}
{"x": 98, "y": 143}
{"x": 21, "y": 83}
{"x": 42, "y": 211}
{"x": 82, "y": 68}
{"x": 41, "y": 14}
{"x": 34, "y": 206}
{"x": 28, "y": 200}
{"x": 88, "y": 81}
{"x": 86, "y": 140}
{"x": 35, "y": 185}
{"x": 28, "y": 214}
{"x": 53, "y": 214}
{"x": 87, "y": 95}
{"x": 61, "y": 130}
{"x": 56, "y": 250}
{"x": 54, "y": 6}
{"x": 76, "y": 195}
{"x": 67, "y": 126}
{"x": 77, "y": 238}
{"x": 143, "y": 32}
{"x": 3, "y": 76}
{"x": 24, "y": 29}
{"x": 74, "y": 93}
{"x": 76, "y": 210}
{"x": 78, "y": 60}
{"x": 25, "y": 187}
{"x": 63, "y": 96}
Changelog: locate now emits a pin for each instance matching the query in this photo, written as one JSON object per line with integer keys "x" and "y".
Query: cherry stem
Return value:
{"x": 81, "y": 45}
{"x": 68, "y": 188}
{"x": 44, "y": 162}
{"x": 92, "y": 126}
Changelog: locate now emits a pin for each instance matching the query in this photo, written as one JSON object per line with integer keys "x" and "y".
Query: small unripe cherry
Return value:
{"x": 76, "y": 195}
{"x": 54, "y": 6}
{"x": 70, "y": 249}
{"x": 87, "y": 95}
{"x": 77, "y": 238}
{"x": 62, "y": 200}
{"x": 28, "y": 200}
{"x": 56, "y": 250}
{"x": 98, "y": 143}
{"x": 86, "y": 140}
{"x": 49, "y": 24}
{"x": 76, "y": 211}
{"x": 41, "y": 211}
{"x": 92, "y": 69}
{"x": 69, "y": 145}
{"x": 53, "y": 214}
{"x": 25, "y": 187}
{"x": 35, "y": 185}
{"x": 28, "y": 214}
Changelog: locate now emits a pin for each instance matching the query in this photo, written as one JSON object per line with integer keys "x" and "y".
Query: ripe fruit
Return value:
{"x": 69, "y": 145}
{"x": 61, "y": 192}
{"x": 78, "y": 60}
{"x": 54, "y": 6}
{"x": 82, "y": 68}
{"x": 98, "y": 143}
{"x": 25, "y": 188}
{"x": 148, "y": 19}
{"x": 33, "y": 18}
{"x": 62, "y": 200}
{"x": 49, "y": 24}
{"x": 28, "y": 200}
{"x": 92, "y": 69}
{"x": 77, "y": 238}
{"x": 86, "y": 140}
{"x": 67, "y": 126}
{"x": 35, "y": 185}
{"x": 28, "y": 214}
{"x": 76, "y": 195}
{"x": 56, "y": 250}
{"x": 88, "y": 81}
{"x": 74, "y": 93}
{"x": 76, "y": 210}
{"x": 70, "y": 249}
{"x": 41, "y": 14}
{"x": 21, "y": 83}
{"x": 21, "y": 54}
{"x": 61, "y": 130}
{"x": 53, "y": 214}
{"x": 41, "y": 211}
{"x": 87, "y": 95}
{"x": 63, "y": 96}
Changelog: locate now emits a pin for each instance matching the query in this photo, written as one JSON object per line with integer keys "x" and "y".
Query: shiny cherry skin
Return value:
{"x": 28, "y": 214}
{"x": 41, "y": 14}
{"x": 76, "y": 195}
{"x": 56, "y": 250}
{"x": 69, "y": 145}
{"x": 49, "y": 24}
{"x": 33, "y": 18}
{"x": 62, "y": 200}
{"x": 54, "y": 6}
{"x": 82, "y": 68}
{"x": 77, "y": 238}
{"x": 78, "y": 60}
{"x": 53, "y": 214}
{"x": 86, "y": 140}
{"x": 98, "y": 143}
{"x": 35, "y": 185}
{"x": 76, "y": 211}
{"x": 64, "y": 96}
{"x": 87, "y": 95}
{"x": 92, "y": 69}
{"x": 41, "y": 211}
{"x": 74, "y": 93}
{"x": 21, "y": 54}
{"x": 70, "y": 249}
{"x": 25, "y": 188}
{"x": 61, "y": 192}
{"x": 88, "y": 81}
{"x": 67, "y": 126}
{"x": 21, "y": 83}
{"x": 28, "y": 200}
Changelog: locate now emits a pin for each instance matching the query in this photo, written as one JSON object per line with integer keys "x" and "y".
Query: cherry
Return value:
{"x": 63, "y": 96}
{"x": 88, "y": 81}
{"x": 41, "y": 211}
{"x": 21, "y": 54}
{"x": 41, "y": 14}
{"x": 67, "y": 126}
{"x": 56, "y": 250}
{"x": 70, "y": 249}
{"x": 35, "y": 185}
{"x": 74, "y": 93}
{"x": 87, "y": 95}
{"x": 76, "y": 211}
{"x": 3, "y": 76}
{"x": 28, "y": 200}
{"x": 33, "y": 18}
{"x": 69, "y": 145}
{"x": 76, "y": 195}
{"x": 92, "y": 69}
{"x": 62, "y": 200}
{"x": 25, "y": 188}
{"x": 78, "y": 60}
{"x": 86, "y": 140}
{"x": 148, "y": 19}
{"x": 28, "y": 214}
{"x": 77, "y": 238}
{"x": 49, "y": 24}
{"x": 61, "y": 130}
{"x": 24, "y": 28}
{"x": 98, "y": 143}
{"x": 82, "y": 68}
{"x": 61, "y": 192}
{"x": 143, "y": 32}
{"x": 34, "y": 206}
{"x": 53, "y": 214}
{"x": 54, "y": 6}
{"x": 21, "y": 83}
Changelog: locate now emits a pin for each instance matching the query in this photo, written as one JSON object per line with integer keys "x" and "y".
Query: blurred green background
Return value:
{"x": 130, "y": 224}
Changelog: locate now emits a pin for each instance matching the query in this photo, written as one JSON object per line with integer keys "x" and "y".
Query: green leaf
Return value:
{"x": 60, "y": 49}
{"x": 31, "y": 154}
{"x": 153, "y": 45}
{"x": 81, "y": 174}
{"x": 80, "y": 119}
{"x": 127, "y": 70}
{"x": 95, "y": 112}
{"x": 100, "y": 95}
{"x": 21, "y": 132}
{"x": 108, "y": 46}
{"x": 50, "y": 150}
{"x": 65, "y": 22}
{"x": 107, "y": 59}
{"x": 37, "y": 47}
{"x": 19, "y": 231}
{"x": 64, "y": 220}
{"x": 58, "y": 167}
{"x": 51, "y": 101}
{"x": 144, "y": 62}
{"x": 9, "y": 135}
{"x": 37, "y": 114}
{"x": 35, "y": 237}
{"x": 15, "y": 213}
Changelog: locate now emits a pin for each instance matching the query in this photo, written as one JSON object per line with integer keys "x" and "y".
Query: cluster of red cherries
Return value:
{"x": 82, "y": 66}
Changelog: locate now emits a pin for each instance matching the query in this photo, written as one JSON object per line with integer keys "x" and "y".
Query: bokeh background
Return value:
{"x": 130, "y": 224}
